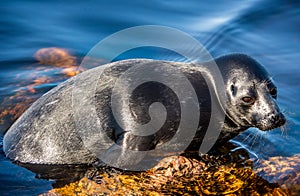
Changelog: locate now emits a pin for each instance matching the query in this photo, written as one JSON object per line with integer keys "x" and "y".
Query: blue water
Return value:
{"x": 267, "y": 30}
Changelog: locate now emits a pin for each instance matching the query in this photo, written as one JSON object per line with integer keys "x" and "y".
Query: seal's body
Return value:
{"x": 48, "y": 134}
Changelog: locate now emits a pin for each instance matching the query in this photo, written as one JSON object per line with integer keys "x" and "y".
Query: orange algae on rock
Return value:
{"x": 81, "y": 188}
{"x": 58, "y": 57}
{"x": 55, "y": 56}
{"x": 175, "y": 175}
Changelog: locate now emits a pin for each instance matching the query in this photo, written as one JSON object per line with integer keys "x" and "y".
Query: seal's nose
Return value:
{"x": 278, "y": 119}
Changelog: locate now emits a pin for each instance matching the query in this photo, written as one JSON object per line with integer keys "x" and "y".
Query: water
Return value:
{"x": 266, "y": 30}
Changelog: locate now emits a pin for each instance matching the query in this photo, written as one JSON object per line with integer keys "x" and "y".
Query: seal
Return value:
{"x": 46, "y": 132}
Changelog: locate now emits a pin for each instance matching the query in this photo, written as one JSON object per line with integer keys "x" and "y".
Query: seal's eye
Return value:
{"x": 273, "y": 92}
{"x": 248, "y": 100}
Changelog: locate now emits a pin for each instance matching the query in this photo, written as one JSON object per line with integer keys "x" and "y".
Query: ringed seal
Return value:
{"x": 46, "y": 132}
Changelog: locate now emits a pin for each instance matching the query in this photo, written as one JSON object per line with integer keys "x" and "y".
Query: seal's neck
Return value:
{"x": 232, "y": 127}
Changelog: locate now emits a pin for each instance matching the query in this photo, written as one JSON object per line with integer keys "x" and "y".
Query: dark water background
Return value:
{"x": 266, "y": 30}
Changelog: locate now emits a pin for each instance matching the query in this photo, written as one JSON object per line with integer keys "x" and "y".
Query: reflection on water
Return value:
{"x": 266, "y": 30}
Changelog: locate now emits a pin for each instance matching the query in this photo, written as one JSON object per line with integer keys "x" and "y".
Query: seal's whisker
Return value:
{"x": 248, "y": 136}
{"x": 252, "y": 135}
{"x": 281, "y": 130}
{"x": 284, "y": 112}
{"x": 255, "y": 137}
{"x": 284, "y": 131}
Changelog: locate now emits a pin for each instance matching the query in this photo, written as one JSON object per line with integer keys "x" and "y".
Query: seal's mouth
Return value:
{"x": 271, "y": 123}
{"x": 266, "y": 128}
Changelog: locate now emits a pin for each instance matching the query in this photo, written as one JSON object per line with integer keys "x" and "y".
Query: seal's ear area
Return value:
{"x": 233, "y": 89}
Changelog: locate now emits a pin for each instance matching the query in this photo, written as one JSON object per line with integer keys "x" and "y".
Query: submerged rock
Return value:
{"x": 284, "y": 171}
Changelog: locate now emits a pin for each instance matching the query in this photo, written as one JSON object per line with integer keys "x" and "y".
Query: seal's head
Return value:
{"x": 251, "y": 94}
